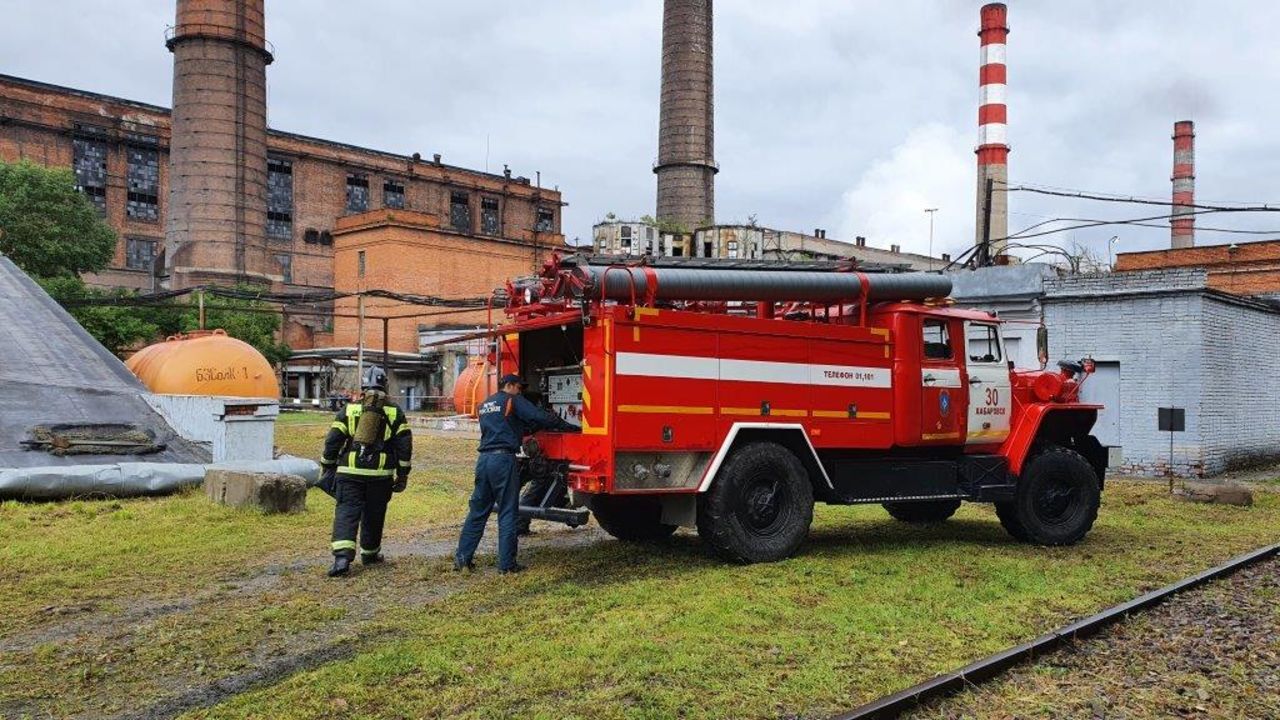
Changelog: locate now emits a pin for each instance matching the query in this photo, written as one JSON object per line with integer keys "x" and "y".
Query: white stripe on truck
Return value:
{"x": 687, "y": 367}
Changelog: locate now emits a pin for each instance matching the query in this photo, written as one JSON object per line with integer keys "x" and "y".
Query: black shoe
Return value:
{"x": 458, "y": 566}
{"x": 341, "y": 566}
{"x": 523, "y": 532}
{"x": 373, "y": 559}
{"x": 513, "y": 569}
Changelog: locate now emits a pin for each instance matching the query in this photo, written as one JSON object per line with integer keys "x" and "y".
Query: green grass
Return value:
{"x": 603, "y": 630}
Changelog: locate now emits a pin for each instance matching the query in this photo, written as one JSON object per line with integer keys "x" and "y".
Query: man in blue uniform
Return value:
{"x": 368, "y": 444}
{"x": 505, "y": 418}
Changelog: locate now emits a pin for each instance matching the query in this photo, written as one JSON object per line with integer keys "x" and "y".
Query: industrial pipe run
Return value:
{"x": 712, "y": 285}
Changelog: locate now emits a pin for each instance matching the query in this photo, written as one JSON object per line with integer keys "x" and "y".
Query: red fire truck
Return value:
{"x": 731, "y": 400}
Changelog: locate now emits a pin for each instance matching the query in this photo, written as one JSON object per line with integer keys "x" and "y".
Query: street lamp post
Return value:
{"x": 931, "y": 211}
{"x": 1110, "y": 246}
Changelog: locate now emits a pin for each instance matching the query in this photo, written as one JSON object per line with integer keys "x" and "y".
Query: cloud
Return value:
{"x": 933, "y": 167}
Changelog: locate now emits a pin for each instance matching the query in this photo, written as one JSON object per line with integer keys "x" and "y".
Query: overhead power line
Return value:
{"x": 1083, "y": 195}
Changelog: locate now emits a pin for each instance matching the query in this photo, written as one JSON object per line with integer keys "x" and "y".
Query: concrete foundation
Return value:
{"x": 268, "y": 492}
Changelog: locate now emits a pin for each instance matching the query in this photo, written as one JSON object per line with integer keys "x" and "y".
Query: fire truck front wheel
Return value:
{"x": 1056, "y": 500}
{"x": 634, "y": 519}
{"x": 760, "y": 506}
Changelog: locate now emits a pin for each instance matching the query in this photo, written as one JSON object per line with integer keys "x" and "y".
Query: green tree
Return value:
{"x": 47, "y": 227}
{"x": 252, "y": 321}
{"x": 118, "y": 328}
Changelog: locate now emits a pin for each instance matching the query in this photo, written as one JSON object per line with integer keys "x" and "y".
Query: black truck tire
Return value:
{"x": 760, "y": 506}
{"x": 923, "y": 511}
{"x": 633, "y": 519}
{"x": 1056, "y": 500}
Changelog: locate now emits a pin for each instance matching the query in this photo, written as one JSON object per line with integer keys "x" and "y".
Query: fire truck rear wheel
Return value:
{"x": 923, "y": 511}
{"x": 1056, "y": 500}
{"x": 633, "y": 519}
{"x": 760, "y": 507}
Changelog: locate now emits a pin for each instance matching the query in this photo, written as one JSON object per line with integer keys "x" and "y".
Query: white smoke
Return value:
{"x": 933, "y": 167}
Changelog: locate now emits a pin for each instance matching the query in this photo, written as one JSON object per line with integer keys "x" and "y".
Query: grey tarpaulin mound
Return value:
{"x": 53, "y": 373}
{"x": 130, "y": 479}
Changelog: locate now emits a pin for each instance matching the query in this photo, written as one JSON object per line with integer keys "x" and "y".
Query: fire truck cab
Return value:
{"x": 733, "y": 400}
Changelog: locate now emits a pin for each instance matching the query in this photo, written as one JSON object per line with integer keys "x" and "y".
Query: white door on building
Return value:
{"x": 1103, "y": 388}
{"x": 990, "y": 399}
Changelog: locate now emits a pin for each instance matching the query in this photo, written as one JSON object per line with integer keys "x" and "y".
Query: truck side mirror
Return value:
{"x": 1042, "y": 346}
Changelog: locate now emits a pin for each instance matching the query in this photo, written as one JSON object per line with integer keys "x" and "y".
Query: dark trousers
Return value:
{"x": 362, "y": 503}
{"x": 497, "y": 480}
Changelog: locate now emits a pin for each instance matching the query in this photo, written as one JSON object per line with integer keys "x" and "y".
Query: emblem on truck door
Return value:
{"x": 944, "y": 402}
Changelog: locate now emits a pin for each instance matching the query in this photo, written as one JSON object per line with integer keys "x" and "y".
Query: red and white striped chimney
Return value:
{"x": 993, "y": 119}
{"x": 1184, "y": 185}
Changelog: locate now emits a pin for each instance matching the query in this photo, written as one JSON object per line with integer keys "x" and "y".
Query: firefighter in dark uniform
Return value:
{"x": 505, "y": 418}
{"x": 367, "y": 456}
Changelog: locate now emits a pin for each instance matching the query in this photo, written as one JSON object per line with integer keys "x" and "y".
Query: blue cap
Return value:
{"x": 510, "y": 378}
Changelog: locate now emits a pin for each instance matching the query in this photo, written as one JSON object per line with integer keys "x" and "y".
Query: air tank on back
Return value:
{"x": 205, "y": 362}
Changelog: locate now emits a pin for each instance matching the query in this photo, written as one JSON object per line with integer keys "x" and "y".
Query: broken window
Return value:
{"x": 286, "y": 267}
{"x": 460, "y": 211}
{"x": 279, "y": 197}
{"x": 624, "y": 234}
{"x": 732, "y": 248}
{"x": 90, "y": 165}
{"x": 546, "y": 220}
{"x": 393, "y": 195}
{"x": 490, "y": 218}
{"x": 143, "y": 178}
{"x": 139, "y": 253}
{"x": 357, "y": 192}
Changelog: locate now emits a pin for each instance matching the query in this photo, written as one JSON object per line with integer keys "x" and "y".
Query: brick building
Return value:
{"x": 119, "y": 150}
{"x": 1243, "y": 269}
{"x": 1170, "y": 338}
{"x": 412, "y": 252}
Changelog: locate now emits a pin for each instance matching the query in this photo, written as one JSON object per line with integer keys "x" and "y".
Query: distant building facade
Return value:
{"x": 1251, "y": 268}
{"x": 119, "y": 151}
{"x": 746, "y": 242}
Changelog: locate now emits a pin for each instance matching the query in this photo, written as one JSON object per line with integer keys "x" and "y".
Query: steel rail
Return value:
{"x": 992, "y": 666}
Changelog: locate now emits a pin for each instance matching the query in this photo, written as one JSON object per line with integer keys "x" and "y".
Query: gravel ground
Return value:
{"x": 1213, "y": 652}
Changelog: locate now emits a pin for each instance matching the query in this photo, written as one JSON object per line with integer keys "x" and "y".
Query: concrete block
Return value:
{"x": 269, "y": 492}
{"x": 1216, "y": 493}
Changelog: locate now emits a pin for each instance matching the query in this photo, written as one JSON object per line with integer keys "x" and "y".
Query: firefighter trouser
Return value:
{"x": 536, "y": 491}
{"x": 362, "y": 503}
{"x": 497, "y": 480}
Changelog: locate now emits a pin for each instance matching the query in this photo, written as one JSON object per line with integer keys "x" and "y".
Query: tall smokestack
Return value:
{"x": 216, "y": 219}
{"x": 993, "y": 118}
{"x": 686, "y": 165}
{"x": 1183, "y": 234}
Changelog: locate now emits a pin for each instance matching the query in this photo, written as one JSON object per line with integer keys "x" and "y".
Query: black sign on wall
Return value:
{"x": 1172, "y": 419}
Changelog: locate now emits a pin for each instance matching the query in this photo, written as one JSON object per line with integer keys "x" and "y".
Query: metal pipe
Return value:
{"x": 626, "y": 283}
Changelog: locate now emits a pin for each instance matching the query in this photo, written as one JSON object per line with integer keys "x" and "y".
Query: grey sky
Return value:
{"x": 852, "y": 116}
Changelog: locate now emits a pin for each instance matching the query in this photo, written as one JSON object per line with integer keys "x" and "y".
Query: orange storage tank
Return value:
{"x": 205, "y": 362}
{"x": 475, "y": 383}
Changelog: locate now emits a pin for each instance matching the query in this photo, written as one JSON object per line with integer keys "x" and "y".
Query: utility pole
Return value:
{"x": 360, "y": 319}
{"x": 931, "y": 211}
{"x": 200, "y": 298}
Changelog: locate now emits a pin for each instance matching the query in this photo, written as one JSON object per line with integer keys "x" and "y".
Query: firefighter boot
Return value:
{"x": 372, "y": 558}
{"x": 341, "y": 565}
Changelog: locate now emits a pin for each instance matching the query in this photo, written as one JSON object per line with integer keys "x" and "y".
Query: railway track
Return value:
{"x": 992, "y": 666}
